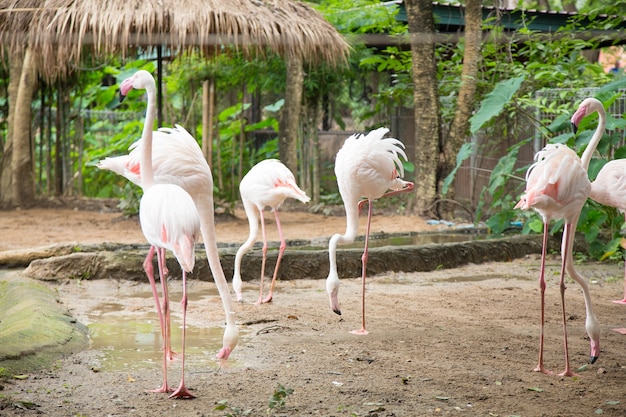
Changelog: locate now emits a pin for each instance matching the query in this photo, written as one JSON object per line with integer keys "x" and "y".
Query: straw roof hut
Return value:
{"x": 60, "y": 32}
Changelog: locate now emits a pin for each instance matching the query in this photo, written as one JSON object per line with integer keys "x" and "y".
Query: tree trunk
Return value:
{"x": 6, "y": 189}
{"x": 23, "y": 180}
{"x": 290, "y": 115}
{"x": 426, "y": 99}
{"x": 208, "y": 98}
{"x": 467, "y": 93}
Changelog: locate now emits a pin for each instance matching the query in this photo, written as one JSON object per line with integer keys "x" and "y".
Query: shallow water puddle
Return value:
{"x": 398, "y": 239}
{"x": 129, "y": 334}
{"x": 477, "y": 278}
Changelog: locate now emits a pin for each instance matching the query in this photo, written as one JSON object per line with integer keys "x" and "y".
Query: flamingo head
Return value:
{"x": 230, "y": 340}
{"x": 522, "y": 203}
{"x": 139, "y": 80}
{"x": 587, "y": 107}
{"x": 593, "y": 330}
{"x": 332, "y": 288}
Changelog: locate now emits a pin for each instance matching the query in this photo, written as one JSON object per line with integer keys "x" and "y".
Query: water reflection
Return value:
{"x": 131, "y": 339}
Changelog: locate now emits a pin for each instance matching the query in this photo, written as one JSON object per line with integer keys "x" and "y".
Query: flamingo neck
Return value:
{"x": 595, "y": 139}
{"x": 352, "y": 228}
{"x": 204, "y": 204}
{"x": 591, "y": 325}
{"x": 147, "y": 174}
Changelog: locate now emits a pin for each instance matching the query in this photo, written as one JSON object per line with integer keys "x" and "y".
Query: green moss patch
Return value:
{"x": 35, "y": 329}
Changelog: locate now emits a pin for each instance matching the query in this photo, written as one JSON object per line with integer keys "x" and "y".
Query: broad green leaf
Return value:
{"x": 495, "y": 101}
{"x": 465, "y": 152}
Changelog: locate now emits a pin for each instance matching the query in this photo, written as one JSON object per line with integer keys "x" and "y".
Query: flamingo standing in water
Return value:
{"x": 169, "y": 220}
{"x": 177, "y": 159}
{"x": 366, "y": 166}
{"x": 267, "y": 184}
{"x": 557, "y": 187}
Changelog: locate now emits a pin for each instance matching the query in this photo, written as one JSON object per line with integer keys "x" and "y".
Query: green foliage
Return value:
{"x": 222, "y": 405}
{"x": 278, "y": 398}
{"x": 494, "y": 102}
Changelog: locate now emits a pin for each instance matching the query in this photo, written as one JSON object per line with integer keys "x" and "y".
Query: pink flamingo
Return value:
{"x": 557, "y": 187}
{"x": 267, "y": 184}
{"x": 169, "y": 220}
{"x": 366, "y": 166}
{"x": 177, "y": 159}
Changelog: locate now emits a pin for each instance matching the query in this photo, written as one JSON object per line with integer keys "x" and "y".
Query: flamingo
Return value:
{"x": 366, "y": 166}
{"x": 557, "y": 187}
{"x": 267, "y": 184}
{"x": 177, "y": 159}
{"x": 169, "y": 220}
{"x": 609, "y": 189}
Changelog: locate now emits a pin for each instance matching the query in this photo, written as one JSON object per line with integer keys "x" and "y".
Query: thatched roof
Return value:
{"x": 60, "y": 32}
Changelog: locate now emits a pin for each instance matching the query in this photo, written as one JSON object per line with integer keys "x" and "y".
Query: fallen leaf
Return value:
{"x": 612, "y": 402}
{"x": 582, "y": 368}
{"x": 535, "y": 389}
{"x": 437, "y": 397}
{"x": 21, "y": 376}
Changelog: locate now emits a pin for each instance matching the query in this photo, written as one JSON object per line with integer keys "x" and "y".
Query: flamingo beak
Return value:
{"x": 334, "y": 301}
{"x": 595, "y": 352}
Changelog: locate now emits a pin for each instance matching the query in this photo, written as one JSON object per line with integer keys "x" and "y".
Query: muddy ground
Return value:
{"x": 460, "y": 341}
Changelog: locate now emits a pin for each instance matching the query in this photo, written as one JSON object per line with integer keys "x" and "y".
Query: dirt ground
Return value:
{"x": 449, "y": 342}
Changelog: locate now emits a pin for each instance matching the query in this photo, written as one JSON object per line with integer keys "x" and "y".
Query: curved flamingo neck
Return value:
{"x": 595, "y": 139}
{"x": 352, "y": 228}
{"x": 147, "y": 174}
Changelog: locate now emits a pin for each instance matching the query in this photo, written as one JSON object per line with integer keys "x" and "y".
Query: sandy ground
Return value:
{"x": 450, "y": 342}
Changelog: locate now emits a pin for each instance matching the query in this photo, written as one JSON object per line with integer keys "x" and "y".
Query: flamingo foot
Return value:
{"x": 164, "y": 389}
{"x": 171, "y": 355}
{"x": 267, "y": 299}
{"x": 224, "y": 353}
{"x": 620, "y": 301}
{"x": 543, "y": 370}
{"x": 568, "y": 372}
{"x": 620, "y": 330}
{"x": 361, "y": 331}
{"x": 182, "y": 393}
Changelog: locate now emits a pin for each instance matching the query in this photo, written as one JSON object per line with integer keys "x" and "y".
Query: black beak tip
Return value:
{"x": 593, "y": 359}
{"x": 338, "y": 312}
{"x": 574, "y": 128}
{"x": 122, "y": 97}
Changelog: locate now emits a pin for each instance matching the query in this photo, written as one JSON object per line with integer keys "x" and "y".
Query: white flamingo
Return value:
{"x": 169, "y": 220}
{"x": 267, "y": 184}
{"x": 366, "y": 166}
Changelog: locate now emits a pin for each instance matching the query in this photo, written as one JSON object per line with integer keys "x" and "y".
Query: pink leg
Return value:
{"x": 623, "y": 300}
{"x": 164, "y": 328}
{"x": 260, "y": 300}
{"x": 166, "y": 305}
{"x": 147, "y": 266}
{"x": 182, "y": 391}
{"x": 362, "y": 330}
{"x": 542, "y": 287}
{"x": 565, "y": 246}
{"x": 281, "y": 250}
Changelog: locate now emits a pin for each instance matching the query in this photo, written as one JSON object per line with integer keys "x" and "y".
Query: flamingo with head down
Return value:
{"x": 366, "y": 166}
{"x": 557, "y": 187}
{"x": 268, "y": 184}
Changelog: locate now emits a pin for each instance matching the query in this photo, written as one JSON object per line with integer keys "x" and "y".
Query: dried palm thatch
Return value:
{"x": 61, "y": 32}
